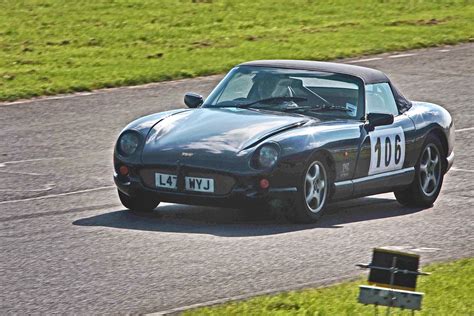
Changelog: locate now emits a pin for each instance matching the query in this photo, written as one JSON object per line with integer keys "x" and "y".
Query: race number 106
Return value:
{"x": 387, "y": 150}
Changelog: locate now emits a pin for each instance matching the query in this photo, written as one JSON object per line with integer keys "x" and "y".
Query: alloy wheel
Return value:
{"x": 430, "y": 170}
{"x": 315, "y": 186}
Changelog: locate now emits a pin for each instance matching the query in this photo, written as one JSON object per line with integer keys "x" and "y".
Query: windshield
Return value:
{"x": 289, "y": 90}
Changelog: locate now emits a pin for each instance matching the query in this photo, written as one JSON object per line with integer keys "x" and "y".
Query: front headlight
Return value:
{"x": 128, "y": 143}
{"x": 267, "y": 156}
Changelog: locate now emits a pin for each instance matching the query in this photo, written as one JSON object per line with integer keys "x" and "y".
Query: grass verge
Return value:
{"x": 53, "y": 46}
{"x": 448, "y": 291}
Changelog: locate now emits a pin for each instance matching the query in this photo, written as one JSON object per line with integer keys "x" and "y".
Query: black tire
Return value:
{"x": 301, "y": 211}
{"x": 139, "y": 203}
{"x": 415, "y": 194}
{"x": 404, "y": 197}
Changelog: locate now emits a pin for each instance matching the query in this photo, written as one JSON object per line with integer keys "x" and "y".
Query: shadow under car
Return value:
{"x": 177, "y": 218}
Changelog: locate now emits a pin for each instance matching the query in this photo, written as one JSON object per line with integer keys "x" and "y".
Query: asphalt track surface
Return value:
{"x": 68, "y": 246}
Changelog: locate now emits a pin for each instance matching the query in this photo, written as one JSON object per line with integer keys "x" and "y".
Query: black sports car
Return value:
{"x": 288, "y": 134}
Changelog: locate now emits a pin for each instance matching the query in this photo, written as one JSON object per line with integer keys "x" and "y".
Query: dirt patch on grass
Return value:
{"x": 422, "y": 22}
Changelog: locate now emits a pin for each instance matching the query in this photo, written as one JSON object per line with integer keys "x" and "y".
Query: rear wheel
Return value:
{"x": 140, "y": 203}
{"x": 313, "y": 193}
{"x": 429, "y": 174}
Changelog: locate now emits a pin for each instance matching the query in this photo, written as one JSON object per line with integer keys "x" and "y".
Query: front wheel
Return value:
{"x": 139, "y": 203}
{"x": 429, "y": 174}
{"x": 313, "y": 193}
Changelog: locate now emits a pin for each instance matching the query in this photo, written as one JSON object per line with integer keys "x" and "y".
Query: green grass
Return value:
{"x": 448, "y": 291}
{"x": 49, "y": 47}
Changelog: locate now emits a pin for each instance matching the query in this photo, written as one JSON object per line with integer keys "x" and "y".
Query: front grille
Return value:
{"x": 223, "y": 184}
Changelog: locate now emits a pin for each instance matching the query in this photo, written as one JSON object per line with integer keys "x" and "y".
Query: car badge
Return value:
{"x": 187, "y": 154}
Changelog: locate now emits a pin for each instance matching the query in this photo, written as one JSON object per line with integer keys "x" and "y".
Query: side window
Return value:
{"x": 379, "y": 99}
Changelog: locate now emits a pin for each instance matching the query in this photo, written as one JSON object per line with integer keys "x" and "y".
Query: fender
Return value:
{"x": 430, "y": 117}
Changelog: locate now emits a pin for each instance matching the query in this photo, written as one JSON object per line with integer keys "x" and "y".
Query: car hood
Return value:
{"x": 203, "y": 136}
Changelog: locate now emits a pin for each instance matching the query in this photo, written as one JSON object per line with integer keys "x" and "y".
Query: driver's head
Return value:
{"x": 265, "y": 84}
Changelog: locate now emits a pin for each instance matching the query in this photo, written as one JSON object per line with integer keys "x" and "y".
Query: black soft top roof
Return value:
{"x": 368, "y": 75}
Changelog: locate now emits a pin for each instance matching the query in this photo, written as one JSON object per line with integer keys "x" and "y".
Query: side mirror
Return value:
{"x": 379, "y": 119}
{"x": 193, "y": 100}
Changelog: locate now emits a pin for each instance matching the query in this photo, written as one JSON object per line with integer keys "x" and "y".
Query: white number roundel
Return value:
{"x": 387, "y": 150}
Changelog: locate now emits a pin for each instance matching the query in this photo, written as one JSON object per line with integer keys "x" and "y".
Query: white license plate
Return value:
{"x": 163, "y": 180}
{"x": 199, "y": 184}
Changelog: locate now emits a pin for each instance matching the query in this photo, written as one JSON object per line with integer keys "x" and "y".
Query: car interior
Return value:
{"x": 327, "y": 92}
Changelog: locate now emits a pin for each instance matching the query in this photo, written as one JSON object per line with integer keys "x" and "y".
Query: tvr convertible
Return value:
{"x": 288, "y": 134}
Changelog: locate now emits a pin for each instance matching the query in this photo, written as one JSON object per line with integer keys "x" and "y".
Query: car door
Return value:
{"x": 386, "y": 154}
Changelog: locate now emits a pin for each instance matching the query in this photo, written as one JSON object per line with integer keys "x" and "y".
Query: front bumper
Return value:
{"x": 245, "y": 192}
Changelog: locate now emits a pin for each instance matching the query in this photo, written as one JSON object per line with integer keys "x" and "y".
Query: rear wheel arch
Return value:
{"x": 439, "y": 134}
{"x": 415, "y": 194}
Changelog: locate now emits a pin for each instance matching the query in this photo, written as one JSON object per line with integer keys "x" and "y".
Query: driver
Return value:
{"x": 267, "y": 85}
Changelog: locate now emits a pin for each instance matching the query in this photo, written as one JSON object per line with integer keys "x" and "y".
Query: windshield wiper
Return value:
{"x": 319, "y": 108}
{"x": 332, "y": 108}
{"x": 271, "y": 100}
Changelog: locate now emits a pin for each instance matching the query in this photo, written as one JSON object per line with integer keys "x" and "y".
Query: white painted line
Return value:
{"x": 426, "y": 249}
{"x": 47, "y": 188}
{"x": 411, "y": 248}
{"x": 364, "y": 60}
{"x": 58, "y": 97}
{"x": 444, "y": 50}
{"x": 2, "y": 164}
{"x": 44, "y": 98}
{"x": 464, "y": 129}
{"x": 23, "y": 173}
{"x": 401, "y": 55}
{"x": 462, "y": 170}
{"x": 58, "y": 195}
